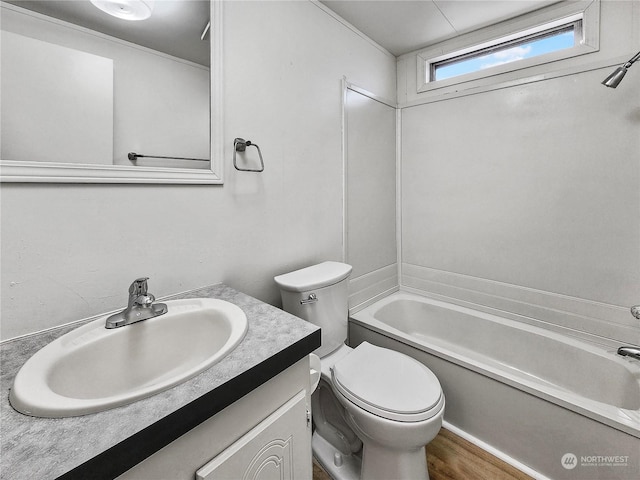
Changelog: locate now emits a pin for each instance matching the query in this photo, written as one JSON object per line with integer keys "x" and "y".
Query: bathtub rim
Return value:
{"x": 627, "y": 421}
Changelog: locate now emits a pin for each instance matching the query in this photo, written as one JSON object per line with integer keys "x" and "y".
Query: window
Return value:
{"x": 554, "y": 33}
{"x": 529, "y": 46}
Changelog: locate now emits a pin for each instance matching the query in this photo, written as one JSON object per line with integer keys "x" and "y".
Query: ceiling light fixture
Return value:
{"x": 126, "y": 9}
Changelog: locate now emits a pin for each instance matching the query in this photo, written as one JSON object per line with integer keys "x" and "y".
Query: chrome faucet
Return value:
{"x": 140, "y": 307}
{"x": 633, "y": 352}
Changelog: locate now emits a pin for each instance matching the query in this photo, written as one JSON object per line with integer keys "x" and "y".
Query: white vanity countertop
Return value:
{"x": 105, "y": 444}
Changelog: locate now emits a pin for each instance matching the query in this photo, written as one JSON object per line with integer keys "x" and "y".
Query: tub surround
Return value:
{"x": 106, "y": 444}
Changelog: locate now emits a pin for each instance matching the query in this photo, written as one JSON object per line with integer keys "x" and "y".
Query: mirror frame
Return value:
{"x": 42, "y": 172}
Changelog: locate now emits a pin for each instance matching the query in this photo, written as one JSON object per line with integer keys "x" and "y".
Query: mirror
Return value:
{"x": 91, "y": 98}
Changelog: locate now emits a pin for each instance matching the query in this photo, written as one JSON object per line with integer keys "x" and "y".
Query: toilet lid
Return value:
{"x": 388, "y": 384}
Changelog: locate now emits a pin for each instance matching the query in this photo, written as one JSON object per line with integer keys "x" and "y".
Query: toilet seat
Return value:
{"x": 388, "y": 384}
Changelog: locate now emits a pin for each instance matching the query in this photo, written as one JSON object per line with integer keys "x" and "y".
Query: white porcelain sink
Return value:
{"x": 92, "y": 369}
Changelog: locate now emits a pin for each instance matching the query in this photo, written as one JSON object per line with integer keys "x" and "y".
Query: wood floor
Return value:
{"x": 452, "y": 458}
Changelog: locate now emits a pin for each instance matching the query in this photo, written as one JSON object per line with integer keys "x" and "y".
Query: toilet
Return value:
{"x": 374, "y": 409}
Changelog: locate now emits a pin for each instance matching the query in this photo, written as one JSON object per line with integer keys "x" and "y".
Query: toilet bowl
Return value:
{"x": 394, "y": 404}
{"x": 374, "y": 409}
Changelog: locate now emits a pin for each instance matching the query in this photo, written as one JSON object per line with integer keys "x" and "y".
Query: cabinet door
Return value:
{"x": 279, "y": 448}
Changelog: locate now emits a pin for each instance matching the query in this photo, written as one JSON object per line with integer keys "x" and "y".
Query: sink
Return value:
{"x": 92, "y": 369}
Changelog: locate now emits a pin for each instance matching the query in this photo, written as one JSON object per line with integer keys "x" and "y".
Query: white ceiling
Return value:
{"x": 402, "y": 26}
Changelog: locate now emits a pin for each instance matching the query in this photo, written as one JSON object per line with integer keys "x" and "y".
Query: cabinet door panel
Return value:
{"x": 276, "y": 449}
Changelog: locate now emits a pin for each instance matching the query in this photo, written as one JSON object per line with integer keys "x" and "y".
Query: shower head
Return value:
{"x": 615, "y": 78}
{"x": 618, "y": 74}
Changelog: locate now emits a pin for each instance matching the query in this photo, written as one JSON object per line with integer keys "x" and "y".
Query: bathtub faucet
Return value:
{"x": 632, "y": 352}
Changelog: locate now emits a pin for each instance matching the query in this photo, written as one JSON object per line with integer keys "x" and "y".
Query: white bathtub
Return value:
{"x": 548, "y": 403}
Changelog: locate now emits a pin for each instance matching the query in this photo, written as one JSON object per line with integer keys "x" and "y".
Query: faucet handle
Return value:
{"x": 139, "y": 287}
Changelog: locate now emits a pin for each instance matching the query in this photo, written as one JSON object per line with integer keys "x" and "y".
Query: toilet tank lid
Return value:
{"x": 315, "y": 276}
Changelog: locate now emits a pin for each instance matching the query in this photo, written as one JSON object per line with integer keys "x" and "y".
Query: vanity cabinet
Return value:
{"x": 264, "y": 435}
{"x": 270, "y": 451}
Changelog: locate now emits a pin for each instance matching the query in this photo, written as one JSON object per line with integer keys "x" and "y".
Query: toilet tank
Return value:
{"x": 319, "y": 294}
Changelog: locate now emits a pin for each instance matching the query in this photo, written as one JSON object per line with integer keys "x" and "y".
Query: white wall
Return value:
{"x": 525, "y": 198}
{"x": 70, "y": 251}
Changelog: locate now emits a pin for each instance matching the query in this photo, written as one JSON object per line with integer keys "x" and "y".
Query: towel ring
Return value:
{"x": 240, "y": 145}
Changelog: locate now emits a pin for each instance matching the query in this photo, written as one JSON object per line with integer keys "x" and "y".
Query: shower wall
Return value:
{"x": 525, "y": 198}
{"x": 370, "y": 195}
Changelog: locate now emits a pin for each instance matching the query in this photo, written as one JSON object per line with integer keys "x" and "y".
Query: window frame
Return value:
{"x": 586, "y": 13}
{"x": 501, "y": 45}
